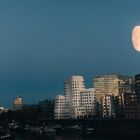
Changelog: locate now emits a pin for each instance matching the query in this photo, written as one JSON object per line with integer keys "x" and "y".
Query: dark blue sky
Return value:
{"x": 43, "y": 42}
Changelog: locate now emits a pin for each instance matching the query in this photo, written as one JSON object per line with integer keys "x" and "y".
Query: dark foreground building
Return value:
{"x": 46, "y": 109}
{"x": 137, "y": 92}
{"x": 130, "y": 105}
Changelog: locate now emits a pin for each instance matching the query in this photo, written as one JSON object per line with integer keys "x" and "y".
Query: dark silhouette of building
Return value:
{"x": 130, "y": 105}
{"x": 46, "y": 109}
{"x": 119, "y": 105}
{"x": 137, "y": 92}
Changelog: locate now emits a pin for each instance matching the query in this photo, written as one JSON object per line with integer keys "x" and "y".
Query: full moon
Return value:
{"x": 136, "y": 38}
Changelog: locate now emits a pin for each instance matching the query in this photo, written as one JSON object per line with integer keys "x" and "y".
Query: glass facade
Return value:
{"x": 112, "y": 85}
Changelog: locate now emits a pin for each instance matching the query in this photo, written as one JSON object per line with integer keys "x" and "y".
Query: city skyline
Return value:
{"x": 44, "y": 42}
{"x": 107, "y": 98}
{"x": 127, "y": 78}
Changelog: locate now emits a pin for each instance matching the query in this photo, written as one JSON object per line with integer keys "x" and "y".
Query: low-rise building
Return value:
{"x": 60, "y": 107}
{"x": 46, "y": 109}
{"x": 2, "y": 110}
{"x": 88, "y": 99}
{"x": 18, "y": 103}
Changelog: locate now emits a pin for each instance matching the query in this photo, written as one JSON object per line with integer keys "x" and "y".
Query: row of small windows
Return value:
{"x": 106, "y": 105}
{"x": 90, "y": 109}
{"x": 87, "y": 103}
{"x": 83, "y": 94}
{"x": 74, "y": 104}
{"x": 80, "y": 109}
{"x": 81, "y": 112}
{"x": 106, "y": 110}
{"x": 76, "y": 100}
{"x": 61, "y": 102}
{"x": 75, "y": 84}
{"x": 75, "y": 89}
{"x": 88, "y": 98}
{"x": 60, "y": 105}
{"x": 87, "y": 92}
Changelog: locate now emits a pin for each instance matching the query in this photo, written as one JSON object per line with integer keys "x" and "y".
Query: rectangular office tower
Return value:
{"x": 112, "y": 85}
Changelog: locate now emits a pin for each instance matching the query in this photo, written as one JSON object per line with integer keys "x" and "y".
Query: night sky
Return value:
{"x": 43, "y": 42}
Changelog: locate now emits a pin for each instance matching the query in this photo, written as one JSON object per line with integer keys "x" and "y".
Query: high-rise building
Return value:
{"x": 130, "y": 105}
{"x": 112, "y": 85}
{"x": 106, "y": 85}
{"x": 126, "y": 84}
{"x": 137, "y": 84}
{"x": 72, "y": 88}
{"x": 137, "y": 92}
{"x": 120, "y": 105}
{"x": 18, "y": 103}
{"x": 77, "y": 101}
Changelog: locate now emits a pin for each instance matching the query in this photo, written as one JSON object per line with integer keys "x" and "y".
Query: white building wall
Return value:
{"x": 80, "y": 112}
{"x": 60, "y": 107}
{"x": 108, "y": 106}
{"x": 77, "y": 101}
{"x": 88, "y": 99}
{"x": 72, "y": 88}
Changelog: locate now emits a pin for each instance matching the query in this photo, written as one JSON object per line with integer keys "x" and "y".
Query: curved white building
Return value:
{"x": 59, "y": 107}
{"x": 77, "y": 101}
{"x": 72, "y": 88}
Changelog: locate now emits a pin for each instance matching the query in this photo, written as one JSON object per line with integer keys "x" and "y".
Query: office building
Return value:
{"x": 108, "y": 106}
{"x": 88, "y": 100}
{"x": 112, "y": 85}
{"x": 18, "y": 103}
{"x": 130, "y": 105}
